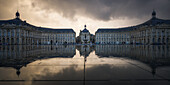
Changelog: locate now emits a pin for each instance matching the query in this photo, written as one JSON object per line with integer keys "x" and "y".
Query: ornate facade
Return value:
{"x": 85, "y": 36}
{"x": 16, "y": 31}
{"x": 153, "y": 31}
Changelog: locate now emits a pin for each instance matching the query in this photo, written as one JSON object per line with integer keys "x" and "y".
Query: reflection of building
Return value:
{"x": 153, "y": 31}
{"x": 19, "y": 56}
{"x": 16, "y": 31}
{"x": 85, "y": 50}
{"x": 152, "y": 55}
{"x": 85, "y": 36}
{"x": 143, "y": 52}
{"x": 27, "y": 52}
{"x": 112, "y": 50}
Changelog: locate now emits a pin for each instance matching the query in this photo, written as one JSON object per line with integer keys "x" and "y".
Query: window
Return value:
{"x": 12, "y": 33}
{"x": 4, "y": 32}
{"x": 17, "y": 32}
{"x": 9, "y": 33}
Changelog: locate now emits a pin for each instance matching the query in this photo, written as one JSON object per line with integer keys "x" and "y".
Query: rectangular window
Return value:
{"x": 12, "y": 33}
{"x": 4, "y": 32}
{"x": 9, "y": 33}
{"x": 17, "y": 32}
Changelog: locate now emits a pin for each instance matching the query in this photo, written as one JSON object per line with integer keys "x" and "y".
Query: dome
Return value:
{"x": 17, "y": 14}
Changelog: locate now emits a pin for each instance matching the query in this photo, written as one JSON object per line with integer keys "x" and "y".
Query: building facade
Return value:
{"x": 84, "y": 36}
{"x": 153, "y": 31}
{"x": 18, "y": 32}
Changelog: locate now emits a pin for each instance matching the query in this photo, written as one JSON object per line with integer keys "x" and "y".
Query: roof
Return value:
{"x": 18, "y": 21}
{"x": 114, "y": 29}
{"x": 85, "y": 30}
{"x": 56, "y": 30}
{"x": 153, "y": 21}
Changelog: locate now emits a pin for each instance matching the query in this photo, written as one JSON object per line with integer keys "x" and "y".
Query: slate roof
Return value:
{"x": 15, "y": 21}
{"x": 85, "y": 30}
{"x": 153, "y": 21}
{"x": 18, "y": 21}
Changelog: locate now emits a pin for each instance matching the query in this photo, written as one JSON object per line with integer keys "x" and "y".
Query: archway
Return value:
{"x": 65, "y": 42}
{"x": 163, "y": 39}
{"x": 8, "y": 42}
{"x": 159, "y": 40}
{"x": 12, "y": 41}
{"x": 3, "y": 40}
{"x": 167, "y": 41}
{"x": 56, "y": 42}
{"x": 51, "y": 42}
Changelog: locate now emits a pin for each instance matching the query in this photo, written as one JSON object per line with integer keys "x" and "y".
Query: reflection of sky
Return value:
{"x": 112, "y": 69}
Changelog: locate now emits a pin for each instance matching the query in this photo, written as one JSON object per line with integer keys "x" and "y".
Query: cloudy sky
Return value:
{"x": 76, "y": 13}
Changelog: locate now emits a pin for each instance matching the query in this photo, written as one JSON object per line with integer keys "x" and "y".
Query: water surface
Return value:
{"x": 85, "y": 65}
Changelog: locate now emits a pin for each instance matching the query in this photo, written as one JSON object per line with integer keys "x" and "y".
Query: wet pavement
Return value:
{"x": 85, "y": 65}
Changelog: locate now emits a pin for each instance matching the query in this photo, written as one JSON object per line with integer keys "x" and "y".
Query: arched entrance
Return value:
{"x": 167, "y": 41}
{"x": 3, "y": 40}
{"x": 163, "y": 39}
{"x": 12, "y": 41}
{"x": 56, "y": 42}
{"x": 159, "y": 40}
{"x": 65, "y": 42}
{"x": 8, "y": 42}
{"x": 51, "y": 42}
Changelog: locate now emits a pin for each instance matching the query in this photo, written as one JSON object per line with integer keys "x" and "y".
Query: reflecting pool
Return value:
{"x": 85, "y": 65}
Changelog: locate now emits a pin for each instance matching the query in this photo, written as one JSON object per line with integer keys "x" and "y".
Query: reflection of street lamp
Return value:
{"x": 84, "y": 70}
{"x": 18, "y": 72}
{"x": 84, "y": 67}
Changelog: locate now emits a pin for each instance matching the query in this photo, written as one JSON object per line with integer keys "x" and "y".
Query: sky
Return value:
{"x": 76, "y": 13}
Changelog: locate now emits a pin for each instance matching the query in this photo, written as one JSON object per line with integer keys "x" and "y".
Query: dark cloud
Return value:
{"x": 105, "y": 9}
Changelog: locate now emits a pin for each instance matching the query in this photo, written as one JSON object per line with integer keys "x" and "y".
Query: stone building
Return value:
{"x": 18, "y": 32}
{"x": 153, "y": 31}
